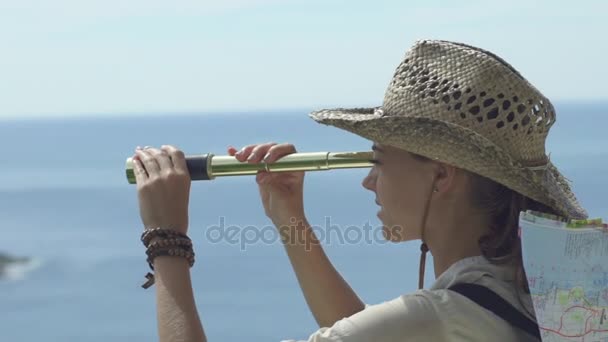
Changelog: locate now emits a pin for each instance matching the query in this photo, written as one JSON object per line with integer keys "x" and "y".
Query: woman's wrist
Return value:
{"x": 289, "y": 220}
{"x": 179, "y": 228}
{"x": 166, "y": 262}
{"x": 296, "y": 231}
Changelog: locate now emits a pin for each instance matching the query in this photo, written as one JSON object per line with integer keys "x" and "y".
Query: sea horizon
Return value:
{"x": 65, "y": 203}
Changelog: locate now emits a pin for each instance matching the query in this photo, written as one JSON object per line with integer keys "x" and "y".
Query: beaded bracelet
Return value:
{"x": 166, "y": 242}
{"x": 188, "y": 254}
{"x": 177, "y": 247}
{"x": 179, "y": 252}
{"x": 169, "y": 243}
{"x": 151, "y": 233}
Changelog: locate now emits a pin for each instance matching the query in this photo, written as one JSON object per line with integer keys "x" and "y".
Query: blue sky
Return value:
{"x": 97, "y": 57}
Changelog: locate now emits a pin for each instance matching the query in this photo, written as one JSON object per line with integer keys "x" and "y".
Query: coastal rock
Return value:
{"x": 7, "y": 260}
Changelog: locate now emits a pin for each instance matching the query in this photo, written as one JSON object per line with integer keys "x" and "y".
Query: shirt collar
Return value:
{"x": 471, "y": 269}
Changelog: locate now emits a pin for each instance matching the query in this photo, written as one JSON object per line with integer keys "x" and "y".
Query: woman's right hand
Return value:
{"x": 282, "y": 193}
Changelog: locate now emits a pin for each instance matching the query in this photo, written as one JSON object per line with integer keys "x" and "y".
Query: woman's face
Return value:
{"x": 402, "y": 185}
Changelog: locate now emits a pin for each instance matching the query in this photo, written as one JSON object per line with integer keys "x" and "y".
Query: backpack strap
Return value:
{"x": 489, "y": 300}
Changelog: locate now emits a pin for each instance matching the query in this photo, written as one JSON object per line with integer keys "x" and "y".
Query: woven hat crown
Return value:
{"x": 475, "y": 89}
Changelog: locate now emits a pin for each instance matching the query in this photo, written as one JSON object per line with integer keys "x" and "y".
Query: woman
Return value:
{"x": 459, "y": 151}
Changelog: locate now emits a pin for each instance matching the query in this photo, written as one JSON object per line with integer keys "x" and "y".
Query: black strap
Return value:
{"x": 495, "y": 303}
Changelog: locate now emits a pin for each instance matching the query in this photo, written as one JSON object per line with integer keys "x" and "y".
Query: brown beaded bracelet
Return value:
{"x": 188, "y": 254}
{"x": 151, "y": 233}
{"x": 169, "y": 243}
{"x": 178, "y": 252}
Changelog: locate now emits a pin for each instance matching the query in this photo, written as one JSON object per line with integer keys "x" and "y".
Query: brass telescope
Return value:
{"x": 209, "y": 166}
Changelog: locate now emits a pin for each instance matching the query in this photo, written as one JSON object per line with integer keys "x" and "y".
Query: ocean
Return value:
{"x": 65, "y": 203}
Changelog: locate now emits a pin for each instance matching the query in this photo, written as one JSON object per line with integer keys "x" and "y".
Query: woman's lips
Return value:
{"x": 379, "y": 211}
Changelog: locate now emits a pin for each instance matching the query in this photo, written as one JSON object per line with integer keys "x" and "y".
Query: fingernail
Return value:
{"x": 266, "y": 157}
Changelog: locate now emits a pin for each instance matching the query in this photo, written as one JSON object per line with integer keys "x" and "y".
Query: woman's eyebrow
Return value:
{"x": 376, "y": 148}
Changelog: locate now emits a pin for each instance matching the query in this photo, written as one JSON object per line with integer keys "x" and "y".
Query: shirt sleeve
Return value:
{"x": 410, "y": 317}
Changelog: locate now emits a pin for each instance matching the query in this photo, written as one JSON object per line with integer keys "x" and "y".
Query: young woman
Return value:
{"x": 459, "y": 152}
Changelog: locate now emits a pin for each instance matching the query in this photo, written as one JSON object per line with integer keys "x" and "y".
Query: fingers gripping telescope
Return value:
{"x": 209, "y": 166}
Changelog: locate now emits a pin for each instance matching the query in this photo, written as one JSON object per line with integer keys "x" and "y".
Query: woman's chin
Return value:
{"x": 393, "y": 233}
{"x": 396, "y": 233}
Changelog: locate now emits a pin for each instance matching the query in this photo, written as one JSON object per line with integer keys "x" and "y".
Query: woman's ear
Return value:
{"x": 445, "y": 177}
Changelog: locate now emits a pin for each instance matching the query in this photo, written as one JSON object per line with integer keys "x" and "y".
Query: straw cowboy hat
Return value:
{"x": 467, "y": 107}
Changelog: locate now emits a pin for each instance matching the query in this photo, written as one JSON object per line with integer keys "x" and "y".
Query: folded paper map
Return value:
{"x": 566, "y": 263}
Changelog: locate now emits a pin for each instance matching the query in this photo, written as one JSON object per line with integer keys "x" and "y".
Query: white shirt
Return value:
{"x": 437, "y": 314}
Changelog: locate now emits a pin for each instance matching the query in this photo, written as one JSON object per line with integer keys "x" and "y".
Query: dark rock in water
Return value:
{"x": 7, "y": 260}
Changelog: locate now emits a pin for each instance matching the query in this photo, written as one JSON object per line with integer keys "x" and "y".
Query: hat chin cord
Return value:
{"x": 423, "y": 247}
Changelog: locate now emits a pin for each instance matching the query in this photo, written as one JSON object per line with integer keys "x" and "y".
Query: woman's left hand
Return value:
{"x": 163, "y": 187}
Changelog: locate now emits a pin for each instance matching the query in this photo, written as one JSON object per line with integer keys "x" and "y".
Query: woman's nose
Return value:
{"x": 369, "y": 182}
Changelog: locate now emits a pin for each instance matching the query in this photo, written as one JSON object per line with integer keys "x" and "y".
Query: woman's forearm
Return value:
{"x": 328, "y": 295}
{"x": 176, "y": 310}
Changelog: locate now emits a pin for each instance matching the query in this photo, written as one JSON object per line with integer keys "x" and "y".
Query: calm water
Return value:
{"x": 64, "y": 201}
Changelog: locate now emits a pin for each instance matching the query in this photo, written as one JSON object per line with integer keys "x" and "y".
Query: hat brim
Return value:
{"x": 461, "y": 147}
